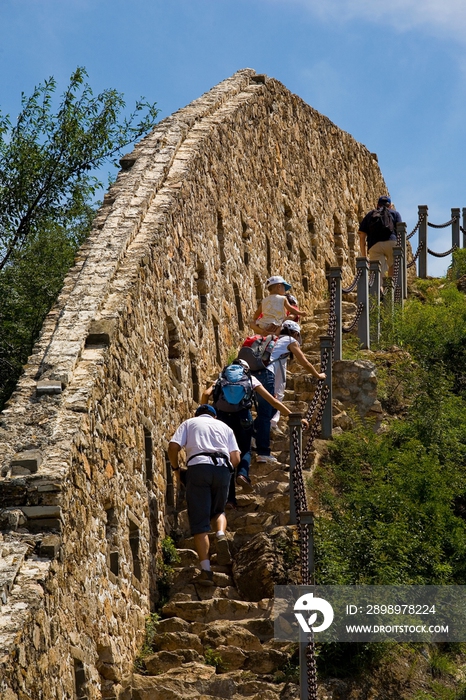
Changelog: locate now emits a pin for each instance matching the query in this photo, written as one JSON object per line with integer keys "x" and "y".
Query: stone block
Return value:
{"x": 27, "y": 462}
{"x": 50, "y": 546}
{"x": 101, "y": 332}
{"x": 171, "y": 641}
{"x": 48, "y": 387}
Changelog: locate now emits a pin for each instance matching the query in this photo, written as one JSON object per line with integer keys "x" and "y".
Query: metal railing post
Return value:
{"x": 335, "y": 273}
{"x": 294, "y": 421}
{"x": 455, "y": 227}
{"x": 303, "y": 675}
{"x": 401, "y": 235}
{"x": 398, "y": 280}
{"x": 327, "y": 422}
{"x": 422, "y": 260}
{"x": 363, "y": 298}
{"x": 374, "y": 291}
{"x": 464, "y": 227}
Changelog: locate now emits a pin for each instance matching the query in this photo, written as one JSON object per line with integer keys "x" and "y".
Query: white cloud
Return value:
{"x": 439, "y": 17}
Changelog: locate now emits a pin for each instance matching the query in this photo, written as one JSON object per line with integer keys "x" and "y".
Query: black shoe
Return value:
{"x": 205, "y": 578}
{"x": 223, "y": 551}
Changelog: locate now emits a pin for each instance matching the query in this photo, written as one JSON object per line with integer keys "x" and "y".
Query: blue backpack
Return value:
{"x": 233, "y": 390}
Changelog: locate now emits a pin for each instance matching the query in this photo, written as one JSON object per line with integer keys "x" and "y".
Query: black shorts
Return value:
{"x": 206, "y": 494}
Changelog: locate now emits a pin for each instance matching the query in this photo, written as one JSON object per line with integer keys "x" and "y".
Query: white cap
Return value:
{"x": 276, "y": 279}
{"x": 292, "y": 326}
{"x": 241, "y": 362}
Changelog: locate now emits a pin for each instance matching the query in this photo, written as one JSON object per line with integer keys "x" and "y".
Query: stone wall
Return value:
{"x": 245, "y": 182}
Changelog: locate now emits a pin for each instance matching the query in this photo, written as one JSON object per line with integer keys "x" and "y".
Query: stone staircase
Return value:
{"x": 217, "y": 642}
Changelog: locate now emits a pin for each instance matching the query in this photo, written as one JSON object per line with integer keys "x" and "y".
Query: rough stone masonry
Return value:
{"x": 245, "y": 182}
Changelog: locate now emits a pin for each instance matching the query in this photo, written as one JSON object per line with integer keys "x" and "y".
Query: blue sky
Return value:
{"x": 391, "y": 73}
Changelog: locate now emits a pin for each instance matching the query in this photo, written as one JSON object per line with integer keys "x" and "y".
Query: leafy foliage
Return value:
{"x": 47, "y": 158}
{"x": 151, "y": 623}
{"x": 395, "y": 502}
{"x": 47, "y": 189}
{"x": 214, "y": 658}
{"x": 170, "y": 556}
{"x": 458, "y": 264}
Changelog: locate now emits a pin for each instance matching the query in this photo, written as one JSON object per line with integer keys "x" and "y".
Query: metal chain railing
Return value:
{"x": 314, "y": 416}
{"x": 419, "y": 222}
{"x": 442, "y": 255}
{"x": 332, "y": 313}
{"x": 463, "y": 230}
{"x": 311, "y": 667}
{"x": 348, "y": 329}
{"x": 419, "y": 248}
{"x": 371, "y": 278}
{"x": 448, "y": 223}
{"x": 354, "y": 283}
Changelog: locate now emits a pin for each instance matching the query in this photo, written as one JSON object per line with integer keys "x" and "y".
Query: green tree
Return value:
{"x": 47, "y": 157}
{"x": 48, "y": 184}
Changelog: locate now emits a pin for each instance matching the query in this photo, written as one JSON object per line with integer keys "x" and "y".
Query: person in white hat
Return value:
{"x": 288, "y": 343}
{"x": 272, "y": 310}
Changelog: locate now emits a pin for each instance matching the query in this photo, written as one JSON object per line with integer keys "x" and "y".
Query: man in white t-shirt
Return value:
{"x": 289, "y": 341}
{"x": 211, "y": 455}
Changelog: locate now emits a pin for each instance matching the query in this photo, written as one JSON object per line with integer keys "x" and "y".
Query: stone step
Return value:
{"x": 278, "y": 474}
{"x": 202, "y": 682}
{"x": 183, "y": 579}
{"x": 217, "y": 609}
{"x": 239, "y": 519}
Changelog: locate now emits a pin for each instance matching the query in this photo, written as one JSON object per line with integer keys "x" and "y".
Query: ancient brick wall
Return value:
{"x": 245, "y": 182}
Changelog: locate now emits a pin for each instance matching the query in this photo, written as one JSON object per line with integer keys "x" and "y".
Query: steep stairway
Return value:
{"x": 217, "y": 642}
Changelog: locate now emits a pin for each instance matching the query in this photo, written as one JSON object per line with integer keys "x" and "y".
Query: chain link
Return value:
{"x": 396, "y": 279}
{"x": 448, "y": 223}
{"x": 332, "y": 314}
{"x": 354, "y": 283}
{"x": 311, "y": 667}
{"x": 371, "y": 278}
{"x": 355, "y": 320}
{"x": 419, "y": 222}
{"x": 442, "y": 255}
{"x": 419, "y": 248}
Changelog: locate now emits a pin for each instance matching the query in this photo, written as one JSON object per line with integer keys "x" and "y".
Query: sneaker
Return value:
{"x": 205, "y": 578}
{"x": 223, "y": 551}
{"x": 245, "y": 483}
{"x": 267, "y": 459}
{"x": 253, "y": 443}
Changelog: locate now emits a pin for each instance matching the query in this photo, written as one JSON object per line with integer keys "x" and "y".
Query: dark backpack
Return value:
{"x": 233, "y": 390}
{"x": 380, "y": 225}
{"x": 256, "y": 350}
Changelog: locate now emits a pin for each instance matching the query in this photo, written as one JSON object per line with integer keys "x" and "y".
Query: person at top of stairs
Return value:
{"x": 272, "y": 310}
{"x": 377, "y": 234}
{"x": 212, "y": 453}
{"x": 288, "y": 344}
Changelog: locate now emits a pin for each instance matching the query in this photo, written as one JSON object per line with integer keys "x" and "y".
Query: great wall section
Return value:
{"x": 244, "y": 182}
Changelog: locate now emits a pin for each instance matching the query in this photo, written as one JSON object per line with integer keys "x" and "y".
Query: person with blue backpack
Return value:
{"x": 233, "y": 394}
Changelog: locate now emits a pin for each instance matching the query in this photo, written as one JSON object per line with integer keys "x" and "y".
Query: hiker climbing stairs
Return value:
{"x": 217, "y": 641}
